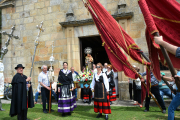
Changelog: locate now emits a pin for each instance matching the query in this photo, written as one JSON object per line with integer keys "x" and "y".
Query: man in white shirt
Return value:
{"x": 43, "y": 79}
{"x": 105, "y": 67}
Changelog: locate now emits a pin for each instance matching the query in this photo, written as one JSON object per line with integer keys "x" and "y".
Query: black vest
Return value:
{"x": 100, "y": 94}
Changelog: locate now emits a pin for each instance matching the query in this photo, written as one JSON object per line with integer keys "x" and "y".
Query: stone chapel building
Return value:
{"x": 69, "y": 25}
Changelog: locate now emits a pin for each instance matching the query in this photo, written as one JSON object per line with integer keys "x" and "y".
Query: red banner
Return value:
{"x": 119, "y": 61}
{"x": 117, "y": 32}
{"x": 114, "y": 38}
{"x": 161, "y": 16}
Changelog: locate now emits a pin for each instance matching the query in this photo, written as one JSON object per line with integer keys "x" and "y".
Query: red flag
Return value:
{"x": 113, "y": 38}
{"x": 116, "y": 31}
{"x": 161, "y": 16}
{"x": 119, "y": 61}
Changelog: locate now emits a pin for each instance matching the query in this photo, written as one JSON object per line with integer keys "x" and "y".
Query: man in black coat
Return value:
{"x": 20, "y": 102}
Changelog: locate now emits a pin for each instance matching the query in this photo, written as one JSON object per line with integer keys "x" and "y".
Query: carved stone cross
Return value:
{"x": 40, "y": 30}
{"x": 4, "y": 49}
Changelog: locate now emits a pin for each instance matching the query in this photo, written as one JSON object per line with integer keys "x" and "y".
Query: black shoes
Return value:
{"x": 177, "y": 109}
{"x": 63, "y": 114}
{"x": 164, "y": 111}
{"x": 45, "y": 111}
{"x": 99, "y": 115}
{"x": 146, "y": 110}
{"x": 106, "y": 117}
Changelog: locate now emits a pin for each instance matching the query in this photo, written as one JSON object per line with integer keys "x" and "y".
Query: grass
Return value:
{"x": 87, "y": 113}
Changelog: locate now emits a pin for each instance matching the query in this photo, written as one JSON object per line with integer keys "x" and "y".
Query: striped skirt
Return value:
{"x": 86, "y": 97}
{"x": 66, "y": 104}
{"x": 102, "y": 107}
{"x": 113, "y": 96}
{"x": 86, "y": 93}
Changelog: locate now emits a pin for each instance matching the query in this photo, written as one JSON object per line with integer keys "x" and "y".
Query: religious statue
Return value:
{"x": 88, "y": 59}
{"x": 51, "y": 74}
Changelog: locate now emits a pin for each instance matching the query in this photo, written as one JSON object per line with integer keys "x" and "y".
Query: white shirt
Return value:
{"x": 108, "y": 74}
{"x": 95, "y": 70}
{"x": 54, "y": 86}
{"x": 138, "y": 82}
{"x": 130, "y": 80}
{"x": 104, "y": 70}
{"x": 39, "y": 87}
{"x": 44, "y": 78}
{"x": 105, "y": 80}
{"x": 74, "y": 76}
{"x": 65, "y": 71}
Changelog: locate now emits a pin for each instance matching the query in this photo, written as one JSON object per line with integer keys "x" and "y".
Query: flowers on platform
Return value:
{"x": 85, "y": 76}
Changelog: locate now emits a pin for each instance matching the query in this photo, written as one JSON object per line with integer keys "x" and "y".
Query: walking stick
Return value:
{"x": 50, "y": 99}
{"x": 51, "y": 77}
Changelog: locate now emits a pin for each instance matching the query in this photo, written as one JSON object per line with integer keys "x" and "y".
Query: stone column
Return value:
{"x": 122, "y": 79}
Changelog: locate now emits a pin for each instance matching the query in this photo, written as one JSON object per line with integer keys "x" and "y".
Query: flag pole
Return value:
{"x": 169, "y": 63}
{"x": 147, "y": 59}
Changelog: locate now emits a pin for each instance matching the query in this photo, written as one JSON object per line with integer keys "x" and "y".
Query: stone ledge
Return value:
{"x": 90, "y": 21}
{"x": 7, "y": 4}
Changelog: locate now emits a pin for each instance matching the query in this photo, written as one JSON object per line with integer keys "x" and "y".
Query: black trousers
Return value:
{"x": 130, "y": 90}
{"x": 22, "y": 115}
{"x": 156, "y": 93}
{"x": 134, "y": 91}
{"x": 138, "y": 95}
{"x": 45, "y": 97}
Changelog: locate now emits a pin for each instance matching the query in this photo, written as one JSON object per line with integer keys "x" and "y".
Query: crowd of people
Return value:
{"x": 104, "y": 87}
{"x": 65, "y": 93}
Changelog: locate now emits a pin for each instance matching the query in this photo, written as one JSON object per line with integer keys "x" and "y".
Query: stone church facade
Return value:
{"x": 65, "y": 21}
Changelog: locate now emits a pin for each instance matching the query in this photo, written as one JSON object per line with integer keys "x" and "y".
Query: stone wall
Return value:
{"x": 26, "y": 14}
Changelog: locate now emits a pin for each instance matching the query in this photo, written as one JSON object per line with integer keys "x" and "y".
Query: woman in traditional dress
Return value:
{"x": 66, "y": 96}
{"x": 112, "y": 90}
{"x": 100, "y": 86}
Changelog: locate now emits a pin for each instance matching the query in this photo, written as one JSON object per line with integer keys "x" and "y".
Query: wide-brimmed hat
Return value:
{"x": 19, "y": 65}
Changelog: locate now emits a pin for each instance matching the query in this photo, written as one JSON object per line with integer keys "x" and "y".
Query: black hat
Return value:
{"x": 19, "y": 65}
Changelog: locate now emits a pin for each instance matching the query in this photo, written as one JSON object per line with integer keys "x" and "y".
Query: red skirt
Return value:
{"x": 86, "y": 97}
{"x": 113, "y": 96}
{"x": 102, "y": 107}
